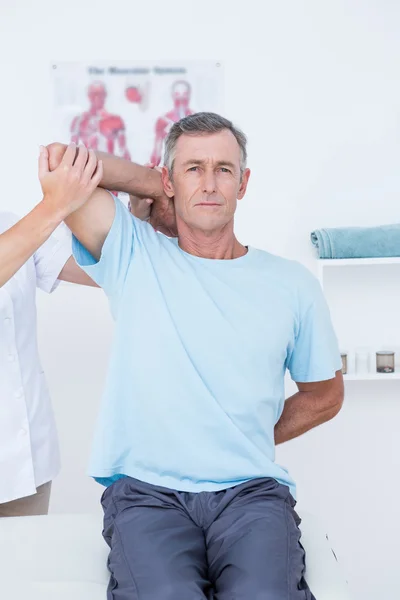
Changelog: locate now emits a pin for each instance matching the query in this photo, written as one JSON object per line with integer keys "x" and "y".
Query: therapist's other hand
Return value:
{"x": 71, "y": 184}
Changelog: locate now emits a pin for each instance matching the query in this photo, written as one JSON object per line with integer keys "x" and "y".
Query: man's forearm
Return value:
{"x": 304, "y": 411}
{"x": 119, "y": 174}
{"x": 125, "y": 176}
{"x": 21, "y": 241}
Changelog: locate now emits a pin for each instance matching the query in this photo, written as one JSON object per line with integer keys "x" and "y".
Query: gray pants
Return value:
{"x": 242, "y": 543}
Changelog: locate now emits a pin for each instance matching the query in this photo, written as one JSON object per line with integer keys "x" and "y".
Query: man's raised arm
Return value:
{"x": 119, "y": 174}
{"x": 125, "y": 176}
{"x": 89, "y": 220}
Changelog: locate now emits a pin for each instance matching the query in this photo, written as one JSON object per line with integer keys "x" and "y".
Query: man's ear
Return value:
{"x": 243, "y": 184}
{"x": 167, "y": 183}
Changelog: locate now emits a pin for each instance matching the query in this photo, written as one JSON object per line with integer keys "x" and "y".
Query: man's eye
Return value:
{"x": 193, "y": 168}
{"x": 225, "y": 170}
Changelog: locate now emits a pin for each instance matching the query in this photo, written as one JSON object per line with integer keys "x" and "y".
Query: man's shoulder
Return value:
{"x": 295, "y": 278}
{"x": 288, "y": 269}
{"x": 287, "y": 265}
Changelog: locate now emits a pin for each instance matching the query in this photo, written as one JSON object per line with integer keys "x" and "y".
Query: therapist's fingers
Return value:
{"x": 97, "y": 175}
{"x": 43, "y": 162}
{"x": 91, "y": 165}
{"x": 69, "y": 156}
{"x": 81, "y": 158}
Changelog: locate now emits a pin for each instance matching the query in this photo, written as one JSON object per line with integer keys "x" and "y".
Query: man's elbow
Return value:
{"x": 336, "y": 405}
{"x": 335, "y": 398}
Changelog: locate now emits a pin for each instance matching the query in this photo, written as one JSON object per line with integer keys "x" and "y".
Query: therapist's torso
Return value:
{"x": 29, "y": 454}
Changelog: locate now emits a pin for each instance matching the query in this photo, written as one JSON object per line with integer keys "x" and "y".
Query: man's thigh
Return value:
{"x": 157, "y": 551}
{"x": 37, "y": 504}
{"x": 254, "y": 548}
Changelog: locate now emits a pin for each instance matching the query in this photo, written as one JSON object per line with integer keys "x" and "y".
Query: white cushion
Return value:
{"x": 63, "y": 557}
{"x": 323, "y": 572}
{"x": 54, "y": 590}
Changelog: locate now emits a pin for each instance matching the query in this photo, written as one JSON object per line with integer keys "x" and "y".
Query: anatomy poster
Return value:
{"x": 128, "y": 108}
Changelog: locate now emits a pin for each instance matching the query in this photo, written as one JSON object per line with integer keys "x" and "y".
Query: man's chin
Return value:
{"x": 207, "y": 223}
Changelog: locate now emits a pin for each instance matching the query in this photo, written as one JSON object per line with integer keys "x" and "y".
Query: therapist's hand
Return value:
{"x": 71, "y": 184}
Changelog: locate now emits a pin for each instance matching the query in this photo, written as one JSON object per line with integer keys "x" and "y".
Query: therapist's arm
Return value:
{"x": 314, "y": 404}
{"x": 65, "y": 190}
{"x": 21, "y": 241}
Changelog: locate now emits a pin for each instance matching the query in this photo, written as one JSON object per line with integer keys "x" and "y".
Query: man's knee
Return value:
{"x": 177, "y": 591}
{"x": 153, "y": 589}
{"x": 251, "y": 589}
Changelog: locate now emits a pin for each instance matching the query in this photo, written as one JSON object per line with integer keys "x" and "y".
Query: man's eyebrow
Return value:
{"x": 193, "y": 161}
{"x": 219, "y": 163}
{"x": 226, "y": 163}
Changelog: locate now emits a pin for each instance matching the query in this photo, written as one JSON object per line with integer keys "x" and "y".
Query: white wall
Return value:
{"x": 316, "y": 87}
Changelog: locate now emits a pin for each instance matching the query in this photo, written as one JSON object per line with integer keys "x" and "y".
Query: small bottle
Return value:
{"x": 385, "y": 362}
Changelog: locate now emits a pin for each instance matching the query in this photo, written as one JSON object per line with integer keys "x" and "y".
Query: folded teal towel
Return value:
{"x": 357, "y": 242}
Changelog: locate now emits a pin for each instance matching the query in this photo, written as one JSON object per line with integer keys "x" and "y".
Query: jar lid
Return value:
{"x": 387, "y": 352}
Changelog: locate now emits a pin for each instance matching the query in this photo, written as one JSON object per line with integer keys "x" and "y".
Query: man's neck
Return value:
{"x": 221, "y": 244}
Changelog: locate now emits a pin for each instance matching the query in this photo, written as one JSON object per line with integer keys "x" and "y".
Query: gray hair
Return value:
{"x": 202, "y": 123}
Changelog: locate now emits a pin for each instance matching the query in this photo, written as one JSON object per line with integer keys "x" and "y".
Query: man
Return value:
{"x": 181, "y": 93}
{"x": 195, "y": 505}
{"x": 34, "y": 252}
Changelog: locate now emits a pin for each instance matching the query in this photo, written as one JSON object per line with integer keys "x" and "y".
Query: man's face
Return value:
{"x": 206, "y": 182}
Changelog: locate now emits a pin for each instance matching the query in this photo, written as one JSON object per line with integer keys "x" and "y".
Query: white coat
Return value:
{"x": 29, "y": 453}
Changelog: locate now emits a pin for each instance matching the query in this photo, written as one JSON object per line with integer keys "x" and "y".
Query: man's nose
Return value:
{"x": 209, "y": 182}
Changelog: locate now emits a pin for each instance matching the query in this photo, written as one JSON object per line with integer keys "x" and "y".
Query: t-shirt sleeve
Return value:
{"x": 51, "y": 257}
{"x": 315, "y": 354}
{"x": 110, "y": 271}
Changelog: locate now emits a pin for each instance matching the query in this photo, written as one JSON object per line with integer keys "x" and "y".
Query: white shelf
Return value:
{"x": 326, "y": 263}
{"x": 357, "y": 262}
{"x": 371, "y": 376}
{"x": 360, "y": 262}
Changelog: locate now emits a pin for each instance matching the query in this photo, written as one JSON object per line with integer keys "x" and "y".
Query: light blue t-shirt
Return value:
{"x": 196, "y": 378}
